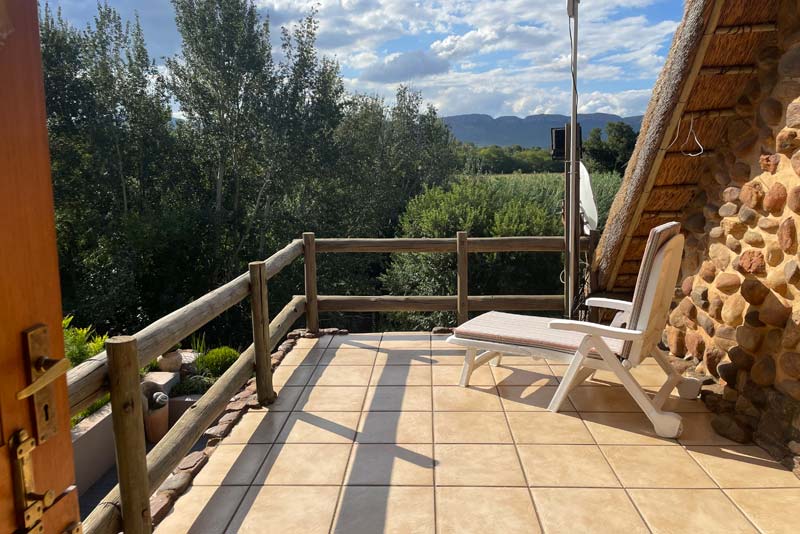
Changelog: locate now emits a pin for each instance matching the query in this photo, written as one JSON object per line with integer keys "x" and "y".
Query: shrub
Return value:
{"x": 80, "y": 344}
{"x": 216, "y": 361}
{"x": 192, "y": 385}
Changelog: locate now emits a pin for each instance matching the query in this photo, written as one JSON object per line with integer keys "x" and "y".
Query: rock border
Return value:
{"x": 163, "y": 500}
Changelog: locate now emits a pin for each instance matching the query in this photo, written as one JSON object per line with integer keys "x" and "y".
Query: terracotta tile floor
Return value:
{"x": 371, "y": 434}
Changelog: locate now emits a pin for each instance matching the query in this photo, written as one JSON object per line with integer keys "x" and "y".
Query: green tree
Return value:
{"x": 612, "y": 153}
{"x": 483, "y": 207}
{"x": 222, "y": 80}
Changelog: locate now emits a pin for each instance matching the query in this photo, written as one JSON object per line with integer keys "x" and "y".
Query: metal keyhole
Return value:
{"x": 46, "y": 410}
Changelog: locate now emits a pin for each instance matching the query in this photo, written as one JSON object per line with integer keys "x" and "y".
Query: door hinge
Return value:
{"x": 30, "y": 504}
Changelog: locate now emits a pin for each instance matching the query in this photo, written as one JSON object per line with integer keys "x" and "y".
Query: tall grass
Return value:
{"x": 546, "y": 190}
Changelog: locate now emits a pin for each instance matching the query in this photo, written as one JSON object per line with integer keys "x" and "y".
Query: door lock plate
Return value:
{"x": 42, "y": 371}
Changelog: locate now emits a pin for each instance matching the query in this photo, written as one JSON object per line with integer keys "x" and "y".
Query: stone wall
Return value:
{"x": 739, "y": 309}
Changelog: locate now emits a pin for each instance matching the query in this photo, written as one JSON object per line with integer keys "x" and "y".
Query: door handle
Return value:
{"x": 52, "y": 370}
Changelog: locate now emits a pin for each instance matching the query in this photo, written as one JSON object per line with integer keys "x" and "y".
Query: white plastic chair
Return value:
{"x": 587, "y": 347}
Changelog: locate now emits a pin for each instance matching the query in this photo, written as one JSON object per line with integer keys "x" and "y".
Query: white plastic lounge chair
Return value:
{"x": 587, "y": 347}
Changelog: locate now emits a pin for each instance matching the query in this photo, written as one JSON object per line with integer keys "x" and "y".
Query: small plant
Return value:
{"x": 80, "y": 344}
{"x": 198, "y": 343}
{"x": 93, "y": 407}
{"x": 216, "y": 361}
{"x": 192, "y": 385}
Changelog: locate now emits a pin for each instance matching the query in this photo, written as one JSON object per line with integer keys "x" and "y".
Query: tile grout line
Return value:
{"x": 516, "y": 451}
{"x": 433, "y": 449}
{"x": 250, "y": 486}
{"x": 719, "y": 488}
{"x": 342, "y": 486}
{"x": 611, "y": 467}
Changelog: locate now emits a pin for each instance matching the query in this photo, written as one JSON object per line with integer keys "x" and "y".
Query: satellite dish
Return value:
{"x": 588, "y": 207}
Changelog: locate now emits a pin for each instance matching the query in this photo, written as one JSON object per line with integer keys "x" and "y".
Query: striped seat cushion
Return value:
{"x": 524, "y": 330}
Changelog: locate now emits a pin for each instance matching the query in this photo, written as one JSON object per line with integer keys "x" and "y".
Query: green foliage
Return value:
{"x": 152, "y": 213}
{"x": 93, "y": 407}
{"x": 487, "y": 206}
{"x": 612, "y": 153}
{"x": 506, "y": 160}
{"x": 192, "y": 385}
{"x": 216, "y": 361}
{"x": 80, "y": 344}
{"x": 198, "y": 343}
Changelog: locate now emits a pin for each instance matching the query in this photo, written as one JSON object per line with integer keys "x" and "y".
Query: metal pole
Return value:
{"x": 573, "y": 200}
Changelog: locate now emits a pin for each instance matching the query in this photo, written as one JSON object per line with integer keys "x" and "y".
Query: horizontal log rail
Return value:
{"x": 474, "y": 244}
{"x": 414, "y": 303}
{"x": 179, "y": 440}
{"x": 88, "y": 381}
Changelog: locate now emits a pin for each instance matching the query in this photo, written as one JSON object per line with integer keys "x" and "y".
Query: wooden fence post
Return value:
{"x": 462, "y": 308}
{"x": 126, "y": 416}
{"x": 260, "y": 317}
{"x": 310, "y": 260}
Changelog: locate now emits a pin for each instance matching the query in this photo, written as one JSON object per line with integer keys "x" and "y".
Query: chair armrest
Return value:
{"x": 595, "y": 329}
{"x": 611, "y": 304}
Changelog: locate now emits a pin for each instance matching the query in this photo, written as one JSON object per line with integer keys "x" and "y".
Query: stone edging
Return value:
{"x": 162, "y": 501}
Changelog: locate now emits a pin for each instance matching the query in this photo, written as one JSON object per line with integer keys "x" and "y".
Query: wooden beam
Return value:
{"x": 386, "y": 245}
{"x": 475, "y": 244}
{"x": 386, "y": 303}
{"x": 462, "y": 275}
{"x": 721, "y": 113}
{"x": 167, "y": 454}
{"x": 516, "y": 302}
{"x": 310, "y": 269}
{"x": 87, "y": 381}
{"x": 746, "y": 28}
{"x": 259, "y": 313}
{"x": 126, "y": 417}
{"x": 729, "y": 70}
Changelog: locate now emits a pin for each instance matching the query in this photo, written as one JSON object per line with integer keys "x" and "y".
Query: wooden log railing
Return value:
{"x": 117, "y": 369}
{"x": 461, "y": 303}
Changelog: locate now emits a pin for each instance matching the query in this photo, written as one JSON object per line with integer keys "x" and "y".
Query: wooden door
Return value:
{"x": 29, "y": 288}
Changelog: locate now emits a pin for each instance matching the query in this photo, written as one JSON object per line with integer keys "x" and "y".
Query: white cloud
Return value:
{"x": 491, "y": 56}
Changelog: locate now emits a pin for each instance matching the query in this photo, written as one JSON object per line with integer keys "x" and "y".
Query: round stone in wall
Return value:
{"x": 763, "y": 371}
{"x": 787, "y": 235}
{"x": 731, "y": 194}
{"x": 733, "y": 243}
{"x": 729, "y": 209}
{"x": 752, "y": 262}
{"x": 753, "y": 239}
{"x": 752, "y": 194}
{"x": 775, "y": 198}
{"x": 774, "y": 255}
{"x": 748, "y": 215}
{"x": 728, "y": 282}
{"x": 790, "y": 364}
{"x": 793, "y": 200}
{"x": 769, "y": 225}
{"x": 773, "y": 312}
{"x": 732, "y": 309}
{"x": 753, "y": 291}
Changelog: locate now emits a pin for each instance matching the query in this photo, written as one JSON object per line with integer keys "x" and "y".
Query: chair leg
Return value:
{"x": 688, "y": 388}
{"x": 666, "y": 424}
{"x": 573, "y": 372}
{"x": 469, "y": 366}
{"x": 496, "y": 362}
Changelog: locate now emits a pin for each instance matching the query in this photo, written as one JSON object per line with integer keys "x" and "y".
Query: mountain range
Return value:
{"x": 533, "y": 130}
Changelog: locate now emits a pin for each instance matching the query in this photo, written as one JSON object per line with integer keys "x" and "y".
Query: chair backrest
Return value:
{"x": 655, "y": 288}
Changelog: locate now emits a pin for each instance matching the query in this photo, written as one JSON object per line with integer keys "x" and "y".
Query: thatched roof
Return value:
{"x": 712, "y": 59}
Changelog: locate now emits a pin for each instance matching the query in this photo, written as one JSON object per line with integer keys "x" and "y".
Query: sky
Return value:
{"x": 496, "y": 57}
